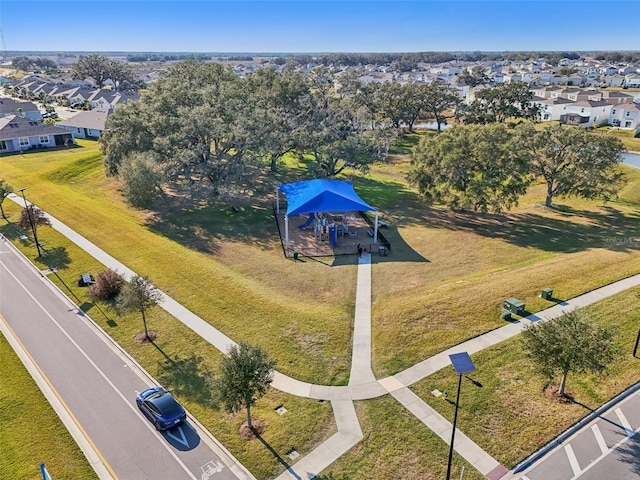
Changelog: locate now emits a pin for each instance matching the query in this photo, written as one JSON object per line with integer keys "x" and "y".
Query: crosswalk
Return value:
{"x": 594, "y": 447}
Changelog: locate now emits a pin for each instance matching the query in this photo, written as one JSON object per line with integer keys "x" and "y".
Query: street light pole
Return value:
{"x": 29, "y": 214}
{"x": 462, "y": 364}
{"x": 453, "y": 432}
{"x": 635, "y": 349}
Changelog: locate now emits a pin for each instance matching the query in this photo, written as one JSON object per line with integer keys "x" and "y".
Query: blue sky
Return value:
{"x": 319, "y": 26}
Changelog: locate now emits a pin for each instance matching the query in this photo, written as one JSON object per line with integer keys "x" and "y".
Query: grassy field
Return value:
{"x": 30, "y": 430}
{"x": 443, "y": 283}
{"x": 511, "y": 404}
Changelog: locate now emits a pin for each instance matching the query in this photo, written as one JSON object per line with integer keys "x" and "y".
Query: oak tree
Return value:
{"x": 568, "y": 344}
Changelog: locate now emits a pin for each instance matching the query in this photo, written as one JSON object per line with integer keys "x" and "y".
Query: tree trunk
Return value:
{"x": 562, "y": 384}
{"x": 144, "y": 321}
{"x": 547, "y": 202}
{"x": 274, "y": 160}
{"x": 249, "y": 422}
{"x": 3, "y": 214}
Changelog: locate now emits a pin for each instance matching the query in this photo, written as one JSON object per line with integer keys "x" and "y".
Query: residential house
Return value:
{"x": 86, "y": 124}
{"x": 614, "y": 81}
{"x": 20, "y": 134}
{"x": 551, "y": 108}
{"x": 609, "y": 70}
{"x": 626, "y": 115}
{"x": 632, "y": 80}
{"x": 586, "y": 113}
{"x": 575, "y": 79}
{"x": 28, "y": 110}
{"x": 616, "y": 97}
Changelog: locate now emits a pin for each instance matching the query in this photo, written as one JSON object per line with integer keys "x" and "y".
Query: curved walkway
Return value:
{"x": 362, "y": 383}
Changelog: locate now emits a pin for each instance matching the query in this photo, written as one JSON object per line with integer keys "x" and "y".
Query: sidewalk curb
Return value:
{"x": 547, "y": 447}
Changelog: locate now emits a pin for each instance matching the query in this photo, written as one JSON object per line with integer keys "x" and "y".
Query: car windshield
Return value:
{"x": 165, "y": 403}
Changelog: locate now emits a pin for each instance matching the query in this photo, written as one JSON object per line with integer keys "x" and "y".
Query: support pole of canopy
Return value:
{"x": 286, "y": 232}
{"x": 277, "y": 200}
{"x": 375, "y": 229}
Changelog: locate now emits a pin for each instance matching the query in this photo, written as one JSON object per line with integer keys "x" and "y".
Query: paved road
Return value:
{"x": 96, "y": 383}
{"x": 607, "y": 448}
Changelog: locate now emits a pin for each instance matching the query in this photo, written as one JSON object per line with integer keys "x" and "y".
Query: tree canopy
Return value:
{"x": 568, "y": 344}
{"x": 137, "y": 295}
{"x": 101, "y": 68}
{"x": 500, "y": 102}
{"x": 471, "y": 167}
{"x": 573, "y": 161}
{"x": 208, "y": 132}
{"x": 245, "y": 374}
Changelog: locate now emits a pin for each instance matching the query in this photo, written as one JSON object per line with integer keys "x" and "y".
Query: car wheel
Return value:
{"x": 157, "y": 425}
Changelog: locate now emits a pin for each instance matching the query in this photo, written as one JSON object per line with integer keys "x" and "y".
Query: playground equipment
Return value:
{"x": 310, "y": 220}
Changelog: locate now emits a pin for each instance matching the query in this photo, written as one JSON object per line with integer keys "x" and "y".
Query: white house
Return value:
{"x": 632, "y": 80}
{"x": 551, "y": 108}
{"x": 614, "y": 81}
{"x": 626, "y": 115}
{"x": 609, "y": 70}
{"x": 586, "y": 113}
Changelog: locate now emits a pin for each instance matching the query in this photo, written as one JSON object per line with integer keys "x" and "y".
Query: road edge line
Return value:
{"x": 80, "y": 436}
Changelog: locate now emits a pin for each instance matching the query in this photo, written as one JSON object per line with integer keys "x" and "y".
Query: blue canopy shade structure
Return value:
{"x": 321, "y": 195}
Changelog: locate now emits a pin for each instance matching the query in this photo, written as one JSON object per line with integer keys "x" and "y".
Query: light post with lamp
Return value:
{"x": 33, "y": 227}
{"x": 462, "y": 364}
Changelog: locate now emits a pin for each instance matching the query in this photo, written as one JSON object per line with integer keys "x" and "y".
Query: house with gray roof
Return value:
{"x": 86, "y": 124}
{"x": 21, "y": 134}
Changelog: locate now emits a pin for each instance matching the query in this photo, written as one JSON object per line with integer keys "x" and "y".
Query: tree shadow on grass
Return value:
{"x": 281, "y": 460}
{"x": 202, "y": 227}
{"x": 609, "y": 229}
{"x": 186, "y": 376}
{"x": 630, "y": 453}
{"x": 561, "y": 229}
{"x": 54, "y": 258}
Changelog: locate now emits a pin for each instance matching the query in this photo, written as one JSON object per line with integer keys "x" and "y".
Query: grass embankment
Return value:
{"x": 30, "y": 430}
{"x": 444, "y": 282}
{"x": 626, "y": 137}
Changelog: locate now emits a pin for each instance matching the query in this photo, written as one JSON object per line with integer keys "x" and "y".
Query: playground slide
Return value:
{"x": 308, "y": 222}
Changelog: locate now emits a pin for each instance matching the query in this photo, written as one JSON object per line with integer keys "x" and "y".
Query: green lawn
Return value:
{"x": 30, "y": 430}
{"x": 443, "y": 283}
{"x": 511, "y": 405}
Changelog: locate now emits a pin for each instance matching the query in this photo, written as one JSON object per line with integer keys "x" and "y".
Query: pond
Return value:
{"x": 631, "y": 159}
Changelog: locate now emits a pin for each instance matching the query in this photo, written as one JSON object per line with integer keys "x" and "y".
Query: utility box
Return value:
{"x": 514, "y": 305}
{"x": 547, "y": 293}
{"x": 506, "y": 316}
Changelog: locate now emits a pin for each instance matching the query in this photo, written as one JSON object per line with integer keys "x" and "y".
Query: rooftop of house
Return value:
{"x": 14, "y": 126}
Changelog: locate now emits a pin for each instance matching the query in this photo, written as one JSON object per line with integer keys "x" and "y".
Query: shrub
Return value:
{"x": 107, "y": 285}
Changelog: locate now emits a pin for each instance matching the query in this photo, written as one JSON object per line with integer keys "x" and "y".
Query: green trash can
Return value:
{"x": 295, "y": 255}
{"x": 506, "y": 316}
{"x": 547, "y": 293}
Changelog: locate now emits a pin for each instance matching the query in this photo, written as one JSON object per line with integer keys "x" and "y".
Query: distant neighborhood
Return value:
{"x": 580, "y": 92}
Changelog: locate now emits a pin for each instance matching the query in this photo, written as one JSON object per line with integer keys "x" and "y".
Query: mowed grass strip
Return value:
{"x": 181, "y": 361}
{"x": 30, "y": 430}
{"x": 509, "y": 416}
